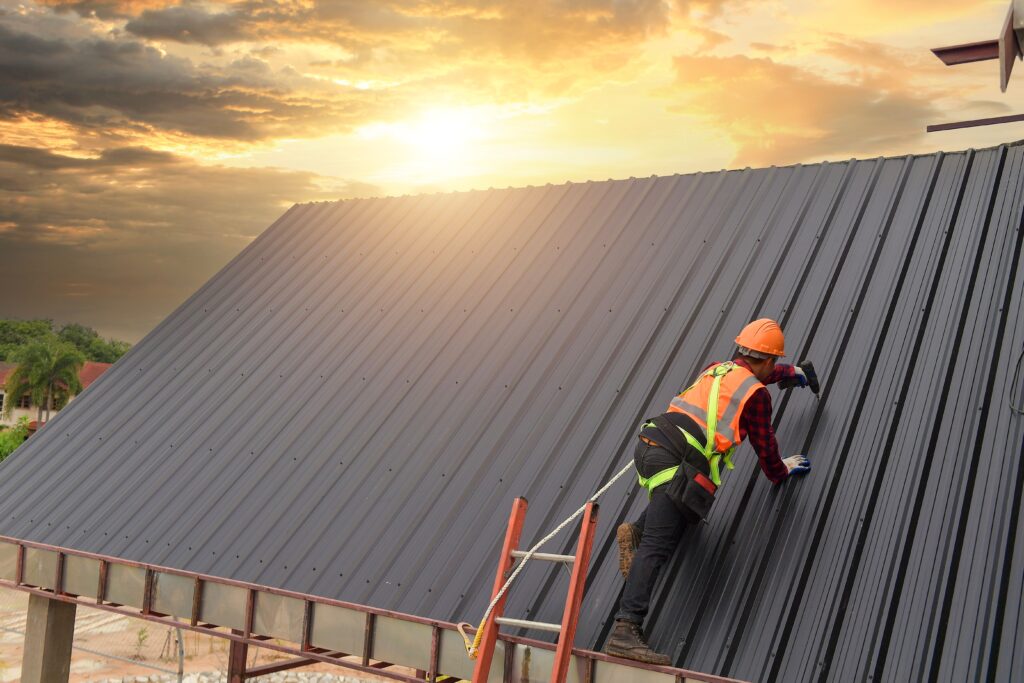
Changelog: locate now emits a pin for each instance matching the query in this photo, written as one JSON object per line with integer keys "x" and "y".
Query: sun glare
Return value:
{"x": 441, "y": 141}
{"x": 452, "y": 129}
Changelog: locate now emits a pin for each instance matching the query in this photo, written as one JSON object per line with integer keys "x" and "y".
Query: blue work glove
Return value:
{"x": 797, "y": 464}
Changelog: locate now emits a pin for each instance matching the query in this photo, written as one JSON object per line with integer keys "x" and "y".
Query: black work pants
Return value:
{"x": 661, "y": 526}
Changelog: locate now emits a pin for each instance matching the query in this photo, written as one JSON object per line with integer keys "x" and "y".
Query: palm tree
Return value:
{"x": 44, "y": 369}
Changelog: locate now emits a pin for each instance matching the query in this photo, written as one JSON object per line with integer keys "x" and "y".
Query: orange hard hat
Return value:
{"x": 763, "y": 336}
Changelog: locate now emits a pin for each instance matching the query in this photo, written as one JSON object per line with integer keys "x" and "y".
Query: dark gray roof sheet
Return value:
{"x": 348, "y": 408}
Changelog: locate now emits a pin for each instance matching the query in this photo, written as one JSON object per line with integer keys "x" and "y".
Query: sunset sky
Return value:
{"x": 143, "y": 143}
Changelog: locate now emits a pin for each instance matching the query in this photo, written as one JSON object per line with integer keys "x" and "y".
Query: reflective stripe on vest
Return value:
{"x": 723, "y": 389}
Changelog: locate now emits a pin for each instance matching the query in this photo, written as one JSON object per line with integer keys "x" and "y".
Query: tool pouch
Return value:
{"x": 691, "y": 490}
{"x": 692, "y": 499}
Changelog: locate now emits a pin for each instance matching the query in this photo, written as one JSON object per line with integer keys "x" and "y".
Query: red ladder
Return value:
{"x": 570, "y": 616}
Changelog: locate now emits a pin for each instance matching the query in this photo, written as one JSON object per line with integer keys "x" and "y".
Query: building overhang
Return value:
{"x": 312, "y": 628}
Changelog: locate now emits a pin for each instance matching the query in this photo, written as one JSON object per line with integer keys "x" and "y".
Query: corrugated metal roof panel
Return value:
{"x": 349, "y": 406}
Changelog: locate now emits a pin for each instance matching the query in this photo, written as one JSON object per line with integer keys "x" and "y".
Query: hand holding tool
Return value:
{"x": 805, "y": 377}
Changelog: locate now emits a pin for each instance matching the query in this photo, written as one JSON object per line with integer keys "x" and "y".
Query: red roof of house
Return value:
{"x": 5, "y": 370}
{"x": 89, "y": 373}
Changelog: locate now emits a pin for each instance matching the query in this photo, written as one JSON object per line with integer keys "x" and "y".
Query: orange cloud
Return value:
{"x": 528, "y": 29}
{"x": 105, "y": 8}
{"x": 871, "y": 17}
{"x": 136, "y": 84}
{"x": 777, "y": 113}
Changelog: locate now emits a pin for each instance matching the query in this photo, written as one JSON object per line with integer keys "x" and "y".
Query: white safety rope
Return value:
{"x": 472, "y": 647}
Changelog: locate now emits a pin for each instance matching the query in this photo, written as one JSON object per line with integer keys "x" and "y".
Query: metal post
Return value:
{"x": 181, "y": 654}
{"x": 490, "y": 637}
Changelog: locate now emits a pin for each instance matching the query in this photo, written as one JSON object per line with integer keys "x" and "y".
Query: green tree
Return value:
{"x": 15, "y": 334}
{"x": 107, "y": 350}
{"x": 11, "y": 438}
{"x": 44, "y": 370}
{"x": 89, "y": 342}
{"x": 79, "y": 335}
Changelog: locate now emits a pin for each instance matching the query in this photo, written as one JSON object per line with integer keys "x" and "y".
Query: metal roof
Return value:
{"x": 348, "y": 408}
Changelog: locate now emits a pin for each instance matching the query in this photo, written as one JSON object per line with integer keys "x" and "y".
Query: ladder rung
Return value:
{"x": 545, "y": 556}
{"x": 522, "y": 623}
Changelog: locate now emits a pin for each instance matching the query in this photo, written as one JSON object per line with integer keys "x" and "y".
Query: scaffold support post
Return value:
{"x": 236, "y": 661}
{"x": 49, "y": 632}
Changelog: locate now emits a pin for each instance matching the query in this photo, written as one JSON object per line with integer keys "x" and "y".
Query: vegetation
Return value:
{"x": 48, "y": 361}
{"x": 86, "y": 340}
{"x": 141, "y": 636}
{"x": 47, "y": 372}
{"x": 17, "y": 334}
{"x": 13, "y": 437}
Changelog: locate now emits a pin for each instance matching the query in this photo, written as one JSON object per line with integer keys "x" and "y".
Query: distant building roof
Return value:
{"x": 89, "y": 373}
{"x": 349, "y": 407}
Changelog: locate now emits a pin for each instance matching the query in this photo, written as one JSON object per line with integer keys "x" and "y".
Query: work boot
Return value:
{"x": 627, "y": 641}
{"x": 628, "y": 536}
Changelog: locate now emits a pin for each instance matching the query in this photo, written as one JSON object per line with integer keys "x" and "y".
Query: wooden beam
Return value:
{"x": 237, "y": 654}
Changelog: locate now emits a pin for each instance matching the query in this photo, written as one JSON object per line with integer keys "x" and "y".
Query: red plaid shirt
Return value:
{"x": 756, "y": 424}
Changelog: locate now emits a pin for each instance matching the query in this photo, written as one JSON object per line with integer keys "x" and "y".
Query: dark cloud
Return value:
{"x": 35, "y": 158}
{"x": 118, "y": 240}
{"x": 778, "y": 113}
{"x": 120, "y": 83}
{"x": 536, "y": 30}
{"x": 189, "y": 24}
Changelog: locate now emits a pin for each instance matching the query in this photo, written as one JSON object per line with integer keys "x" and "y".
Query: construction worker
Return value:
{"x": 678, "y": 458}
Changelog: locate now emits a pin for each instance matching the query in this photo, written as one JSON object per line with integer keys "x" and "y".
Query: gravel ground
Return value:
{"x": 118, "y": 649}
{"x": 216, "y": 677}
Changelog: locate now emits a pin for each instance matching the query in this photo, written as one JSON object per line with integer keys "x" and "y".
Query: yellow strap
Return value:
{"x": 727, "y": 458}
{"x": 657, "y": 479}
{"x": 666, "y": 475}
{"x": 693, "y": 440}
{"x": 708, "y": 450}
{"x": 471, "y": 646}
{"x": 716, "y": 478}
{"x": 719, "y": 371}
{"x": 714, "y": 461}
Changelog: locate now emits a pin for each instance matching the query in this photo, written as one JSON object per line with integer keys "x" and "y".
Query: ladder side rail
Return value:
{"x": 577, "y": 586}
{"x": 490, "y": 637}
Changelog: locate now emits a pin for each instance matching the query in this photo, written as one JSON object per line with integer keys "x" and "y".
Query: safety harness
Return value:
{"x": 671, "y": 431}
